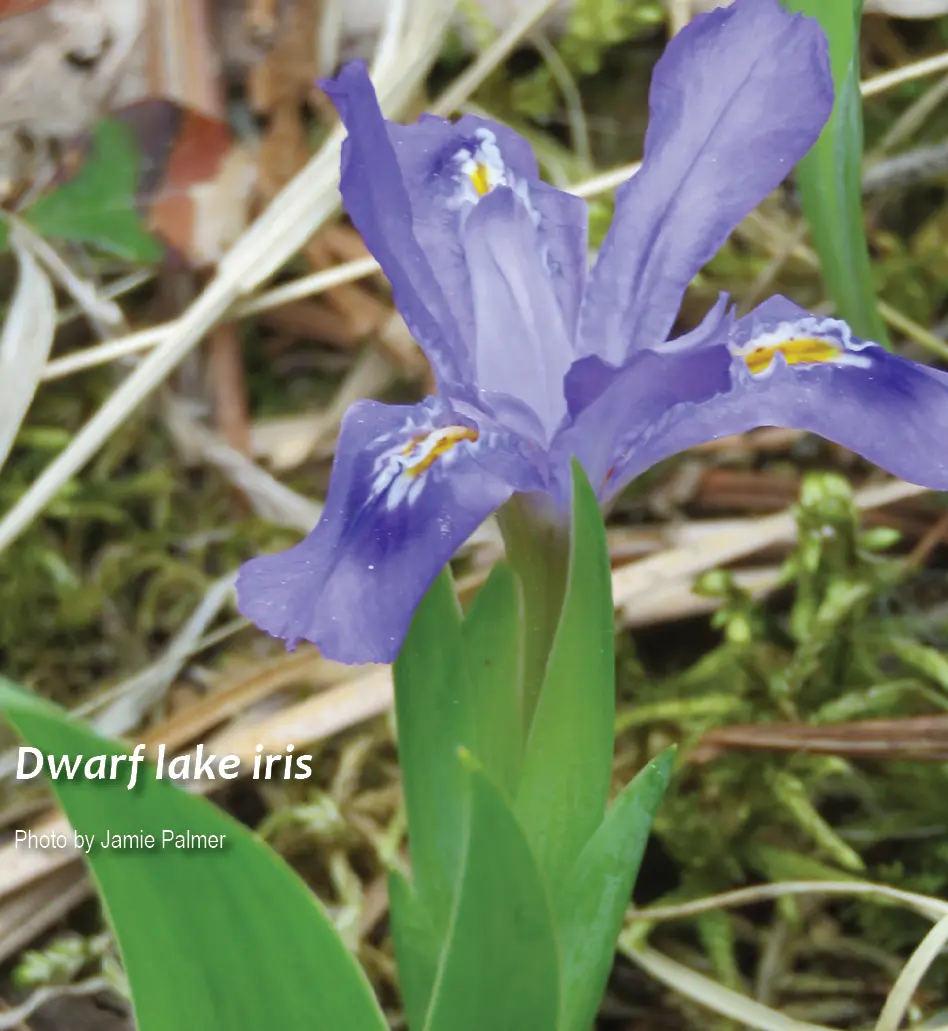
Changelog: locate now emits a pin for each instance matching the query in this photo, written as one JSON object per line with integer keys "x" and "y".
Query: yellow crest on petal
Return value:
{"x": 799, "y": 351}
{"x": 480, "y": 177}
{"x": 422, "y": 452}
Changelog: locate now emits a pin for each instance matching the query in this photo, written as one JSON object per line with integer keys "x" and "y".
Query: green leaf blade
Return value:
{"x": 567, "y": 765}
{"x": 589, "y": 913}
{"x": 494, "y": 660}
{"x": 500, "y": 965}
{"x": 416, "y": 949}
{"x": 830, "y": 176}
{"x": 432, "y": 695}
{"x": 228, "y": 940}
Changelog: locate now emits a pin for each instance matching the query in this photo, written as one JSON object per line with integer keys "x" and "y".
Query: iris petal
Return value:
{"x": 377, "y": 201}
{"x": 562, "y": 239}
{"x": 409, "y": 190}
{"x": 790, "y": 368}
{"x": 447, "y": 167}
{"x": 737, "y": 98}
{"x": 614, "y": 406}
{"x": 521, "y": 339}
{"x": 409, "y": 485}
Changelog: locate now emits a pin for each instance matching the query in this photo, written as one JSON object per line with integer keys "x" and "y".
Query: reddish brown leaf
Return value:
{"x": 196, "y": 181}
{"x": 9, "y": 8}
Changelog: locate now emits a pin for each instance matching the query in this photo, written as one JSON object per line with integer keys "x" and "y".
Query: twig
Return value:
{"x": 918, "y": 738}
{"x": 633, "y": 584}
{"x": 225, "y": 366}
{"x": 104, "y": 314}
{"x": 902, "y": 170}
{"x": 908, "y": 73}
{"x": 928, "y": 542}
{"x": 270, "y": 499}
{"x": 912, "y": 118}
{"x": 900, "y": 998}
{"x": 931, "y": 908}
{"x": 724, "y": 1001}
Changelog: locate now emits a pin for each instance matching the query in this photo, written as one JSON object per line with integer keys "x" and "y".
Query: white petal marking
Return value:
{"x": 805, "y": 342}
{"x": 400, "y": 472}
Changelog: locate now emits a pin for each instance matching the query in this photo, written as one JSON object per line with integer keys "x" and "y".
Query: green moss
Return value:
{"x": 839, "y": 652}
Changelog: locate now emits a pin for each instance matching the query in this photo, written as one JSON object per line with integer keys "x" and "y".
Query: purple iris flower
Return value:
{"x": 537, "y": 359}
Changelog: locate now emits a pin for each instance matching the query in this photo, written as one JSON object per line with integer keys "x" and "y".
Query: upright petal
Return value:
{"x": 790, "y": 368}
{"x": 562, "y": 224}
{"x": 447, "y": 167}
{"x": 410, "y": 484}
{"x": 738, "y": 97}
{"x": 439, "y": 170}
{"x": 521, "y": 341}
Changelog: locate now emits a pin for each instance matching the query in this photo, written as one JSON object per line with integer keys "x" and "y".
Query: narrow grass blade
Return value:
{"x": 830, "y": 176}
{"x": 225, "y": 939}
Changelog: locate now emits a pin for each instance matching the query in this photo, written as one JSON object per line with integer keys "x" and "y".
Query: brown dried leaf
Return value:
{"x": 9, "y": 8}
{"x": 197, "y": 183}
{"x": 61, "y": 62}
{"x": 183, "y": 63}
{"x": 922, "y": 738}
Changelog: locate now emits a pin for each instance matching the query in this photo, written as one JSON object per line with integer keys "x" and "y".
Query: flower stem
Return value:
{"x": 538, "y": 550}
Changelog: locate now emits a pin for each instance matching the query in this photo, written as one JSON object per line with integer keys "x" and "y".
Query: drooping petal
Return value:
{"x": 521, "y": 342}
{"x": 408, "y": 186}
{"x": 790, "y": 368}
{"x": 409, "y": 485}
{"x": 737, "y": 98}
{"x": 590, "y": 377}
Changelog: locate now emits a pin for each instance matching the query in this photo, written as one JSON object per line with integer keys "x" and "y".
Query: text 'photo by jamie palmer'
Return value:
{"x": 187, "y": 768}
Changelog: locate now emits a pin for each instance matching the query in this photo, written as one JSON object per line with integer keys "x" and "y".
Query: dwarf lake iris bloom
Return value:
{"x": 537, "y": 360}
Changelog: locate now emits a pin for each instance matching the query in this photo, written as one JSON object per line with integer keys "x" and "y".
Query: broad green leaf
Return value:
{"x": 589, "y": 912}
{"x": 416, "y": 949}
{"x": 830, "y": 176}
{"x": 567, "y": 765}
{"x": 457, "y": 684}
{"x": 492, "y": 640}
{"x": 98, "y": 205}
{"x": 499, "y": 967}
{"x": 432, "y": 694}
{"x": 228, "y": 939}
